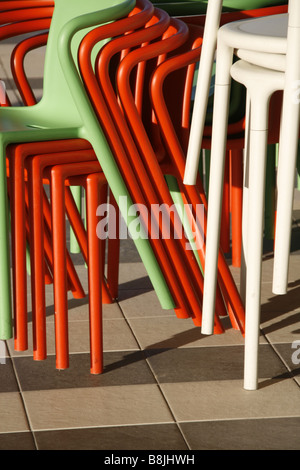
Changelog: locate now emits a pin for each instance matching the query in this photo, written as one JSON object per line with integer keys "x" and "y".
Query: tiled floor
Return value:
{"x": 165, "y": 386}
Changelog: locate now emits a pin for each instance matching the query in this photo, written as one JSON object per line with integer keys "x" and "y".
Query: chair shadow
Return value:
{"x": 279, "y": 305}
{"x": 279, "y": 378}
{"x": 180, "y": 339}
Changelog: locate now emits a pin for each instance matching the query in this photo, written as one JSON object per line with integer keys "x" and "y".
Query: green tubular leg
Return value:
{"x": 5, "y": 295}
{"x": 178, "y": 202}
{"x": 77, "y": 195}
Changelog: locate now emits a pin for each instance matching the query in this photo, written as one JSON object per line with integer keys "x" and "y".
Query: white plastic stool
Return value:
{"x": 252, "y": 37}
{"x": 261, "y": 84}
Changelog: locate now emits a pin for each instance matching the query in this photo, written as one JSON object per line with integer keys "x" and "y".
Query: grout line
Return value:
{"x": 22, "y": 399}
{"x": 157, "y": 382}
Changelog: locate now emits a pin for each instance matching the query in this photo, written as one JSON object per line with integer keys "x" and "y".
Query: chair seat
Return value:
{"x": 263, "y": 59}
{"x": 265, "y": 34}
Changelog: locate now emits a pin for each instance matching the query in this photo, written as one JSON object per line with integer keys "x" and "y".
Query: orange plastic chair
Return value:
{"x": 11, "y": 5}
{"x": 130, "y": 112}
{"x": 17, "y": 157}
{"x": 95, "y": 185}
{"x": 233, "y": 300}
{"x": 233, "y": 297}
{"x": 17, "y": 188}
{"x": 130, "y": 173}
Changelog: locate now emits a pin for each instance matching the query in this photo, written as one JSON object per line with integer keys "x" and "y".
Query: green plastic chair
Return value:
{"x": 56, "y": 117}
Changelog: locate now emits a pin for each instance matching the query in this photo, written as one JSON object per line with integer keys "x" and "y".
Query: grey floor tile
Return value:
{"x": 12, "y": 413}
{"x": 137, "y": 304}
{"x": 275, "y": 305}
{"x": 17, "y": 441}
{"x": 151, "y": 437}
{"x": 116, "y": 336}
{"x": 172, "y": 332}
{"x": 254, "y": 434}
{"x": 120, "y": 368}
{"x": 133, "y": 276}
{"x": 96, "y": 407}
{"x": 210, "y": 364}
{"x": 128, "y": 252}
{"x": 227, "y": 399}
{"x": 281, "y": 326}
{"x": 290, "y": 354}
{"x": 8, "y": 381}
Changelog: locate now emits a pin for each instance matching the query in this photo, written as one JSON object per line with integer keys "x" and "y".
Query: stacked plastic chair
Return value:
{"x": 38, "y": 228}
{"x": 25, "y": 150}
{"x": 29, "y": 132}
{"x": 143, "y": 160}
{"x": 276, "y": 54}
{"x": 99, "y": 136}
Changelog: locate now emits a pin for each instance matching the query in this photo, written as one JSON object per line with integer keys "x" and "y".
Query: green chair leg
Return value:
{"x": 77, "y": 195}
{"x": 178, "y": 202}
{"x": 5, "y": 297}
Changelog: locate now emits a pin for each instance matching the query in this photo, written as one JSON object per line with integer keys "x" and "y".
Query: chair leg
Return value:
{"x": 18, "y": 243}
{"x": 217, "y": 165}
{"x": 258, "y": 147}
{"x": 225, "y": 220}
{"x": 243, "y": 269}
{"x": 6, "y": 329}
{"x": 95, "y": 271}
{"x": 236, "y": 206}
{"x": 60, "y": 269}
{"x": 259, "y": 90}
{"x": 287, "y": 162}
{"x": 80, "y": 233}
{"x": 77, "y": 195}
{"x": 113, "y": 256}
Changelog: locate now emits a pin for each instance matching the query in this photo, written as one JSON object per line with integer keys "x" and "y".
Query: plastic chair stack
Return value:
{"x": 30, "y": 212}
{"x": 50, "y": 150}
{"x": 62, "y": 151}
{"x": 106, "y": 120}
{"x": 35, "y": 128}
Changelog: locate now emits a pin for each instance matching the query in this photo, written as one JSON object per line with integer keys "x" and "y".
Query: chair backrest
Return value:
{"x": 73, "y": 16}
{"x": 18, "y": 67}
{"x": 157, "y": 24}
{"x": 16, "y": 23}
{"x": 21, "y": 4}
